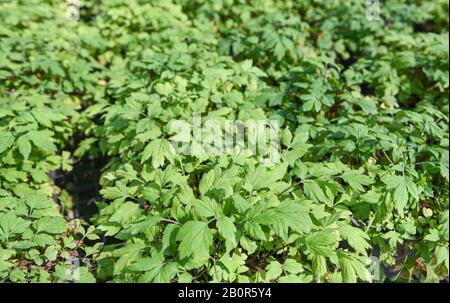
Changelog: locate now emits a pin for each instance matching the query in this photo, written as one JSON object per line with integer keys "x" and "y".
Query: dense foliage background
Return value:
{"x": 363, "y": 107}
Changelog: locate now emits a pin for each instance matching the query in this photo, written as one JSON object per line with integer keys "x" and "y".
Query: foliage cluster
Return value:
{"x": 363, "y": 109}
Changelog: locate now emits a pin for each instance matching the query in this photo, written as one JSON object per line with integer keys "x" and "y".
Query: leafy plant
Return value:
{"x": 363, "y": 111}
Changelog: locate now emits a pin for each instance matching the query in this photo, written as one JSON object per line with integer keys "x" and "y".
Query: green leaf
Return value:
{"x": 52, "y": 225}
{"x": 139, "y": 227}
{"x": 295, "y": 278}
{"x": 368, "y": 106}
{"x": 356, "y": 180}
{"x": 10, "y": 225}
{"x": 120, "y": 190}
{"x": 196, "y": 239}
{"x": 206, "y": 182}
{"x": 352, "y": 268}
{"x": 400, "y": 193}
{"x": 42, "y": 140}
{"x": 274, "y": 270}
{"x": 163, "y": 88}
{"x": 206, "y": 207}
{"x": 322, "y": 243}
{"x": 442, "y": 255}
{"x": 51, "y": 252}
{"x": 159, "y": 150}
{"x": 319, "y": 266}
{"x": 24, "y": 146}
{"x": 126, "y": 213}
{"x": 289, "y": 214}
{"x": 433, "y": 235}
{"x": 6, "y": 141}
{"x": 355, "y": 237}
{"x": 155, "y": 270}
{"x": 313, "y": 190}
{"x": 292, "y": 266}
{"x": 227, "y": 230}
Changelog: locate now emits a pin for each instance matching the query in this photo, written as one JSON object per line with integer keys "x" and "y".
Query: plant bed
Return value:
{"x": 93, "y": 189}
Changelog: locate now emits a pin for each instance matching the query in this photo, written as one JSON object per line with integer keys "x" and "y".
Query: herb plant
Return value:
{"x": 360, "y": 193}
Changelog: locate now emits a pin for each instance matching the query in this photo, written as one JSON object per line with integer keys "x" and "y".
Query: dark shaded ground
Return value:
{"x": 82, "y": 184}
